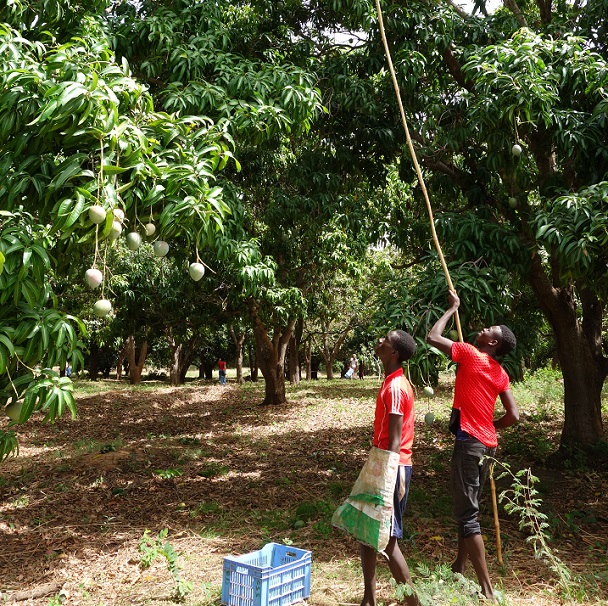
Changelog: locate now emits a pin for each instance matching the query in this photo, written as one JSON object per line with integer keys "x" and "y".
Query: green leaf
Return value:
{"x": 8, "y": 344}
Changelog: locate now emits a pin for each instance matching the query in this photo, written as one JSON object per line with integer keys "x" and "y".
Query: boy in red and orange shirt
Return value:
{"x": 480, "y": 379}
{"x": 394, "y": 431}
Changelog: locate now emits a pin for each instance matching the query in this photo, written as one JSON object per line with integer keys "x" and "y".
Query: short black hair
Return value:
{"x": 404, "y": 343}
{"x": 507, "y": 342}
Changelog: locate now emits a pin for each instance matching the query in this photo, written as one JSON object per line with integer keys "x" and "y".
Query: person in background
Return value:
{"x": 354, "y": 365}
{"x": 480, "y": 379}
{"x": 222, "y": 366}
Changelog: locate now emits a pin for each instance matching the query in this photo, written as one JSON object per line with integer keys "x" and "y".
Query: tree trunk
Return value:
{"x": 136, "y": 368}
{"x": 328, "y": 352}
{"x": 271, "y": 357}
{"x": 295, "y": 375}
{"x": 308, "y": 358}
{"x": 583, "y": 367}
{"x": 253, "y": 363}
{"x": 582, "y": 394}
{"x": 174, "y": 367}
{"x": 328, "y": 355}
{"x": 272, "y": 370}
{"x": 293, "y": 361}
{"x": 120, "y": 361}
{"x": 185, "y": 365}
{"x": 181, "y": 357}
{"x": 238, "y": 340}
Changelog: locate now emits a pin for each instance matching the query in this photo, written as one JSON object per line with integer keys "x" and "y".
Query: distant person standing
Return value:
{"x": 361, "y": 369}
{"x": 345, "y": 369}
{"x": 354, "y": 365}
{"x": 222, "y": 366}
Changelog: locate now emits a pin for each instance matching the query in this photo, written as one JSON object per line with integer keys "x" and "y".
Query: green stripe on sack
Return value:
{"x": 374, "y": 499}
{"x": 358, "y": 524}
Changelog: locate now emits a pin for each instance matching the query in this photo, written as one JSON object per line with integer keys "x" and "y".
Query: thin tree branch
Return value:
{"x": 455, "y": 69}
{"x": 461, "y": 12}
{"x": 514, "y": 8}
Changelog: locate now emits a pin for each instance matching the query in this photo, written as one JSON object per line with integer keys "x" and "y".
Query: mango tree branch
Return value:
{"x": 514, "y": 8}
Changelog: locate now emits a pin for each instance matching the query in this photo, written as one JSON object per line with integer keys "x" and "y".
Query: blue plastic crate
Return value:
{"x": 276, "y": 575}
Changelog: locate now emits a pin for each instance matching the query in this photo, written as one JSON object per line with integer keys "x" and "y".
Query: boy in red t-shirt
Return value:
{"x": 222, "y": 366}
{"x": 394, "y": 431}
{"x": 480, "y": 379}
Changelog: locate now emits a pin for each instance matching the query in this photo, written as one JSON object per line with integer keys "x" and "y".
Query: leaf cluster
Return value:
{"x": 35, "y": 336}
{"x": 522, "y": 500}
{"x": 79, "y": 130}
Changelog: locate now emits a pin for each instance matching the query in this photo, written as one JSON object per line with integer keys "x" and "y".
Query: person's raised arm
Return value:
{"x": 511, "y": 415}
{"x": 435, "y": 336}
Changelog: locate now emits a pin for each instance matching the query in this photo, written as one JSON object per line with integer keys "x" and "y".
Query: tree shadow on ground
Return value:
{"x": 208, "y": 463}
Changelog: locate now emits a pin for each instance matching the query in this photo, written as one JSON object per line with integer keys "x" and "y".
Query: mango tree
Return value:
{"x": 337, "y": 306}
{"x": 508, "y": 114}
{"x": 292, "y": 208}
{"x": 84, "y": 156}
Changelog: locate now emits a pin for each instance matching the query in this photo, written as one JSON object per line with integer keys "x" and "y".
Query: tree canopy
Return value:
{"x": 263, "y": 139}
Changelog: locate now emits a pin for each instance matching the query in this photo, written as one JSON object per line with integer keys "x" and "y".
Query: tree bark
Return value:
{"x": 271, "y": 357}
{"x": 122, "y": 354}
{"x": 238, "y": 340}
{"x": 136, "y": 368}
{"x": 207, "y": 370}
{"x": 514, "y": 8}
{"x": 186, "y": 363}
{"x": 272, "y": 371}
{"x": 293, "y": 365}
{"x": 328, "y": 352}
{"x": 181, "y": 357}
{"x": 308, "y": 357}
{"x": 176, "y": 351}
{"x": 253, "y": 363}
{"x": 294, "y": 353}
{"x": 578, "y": 342}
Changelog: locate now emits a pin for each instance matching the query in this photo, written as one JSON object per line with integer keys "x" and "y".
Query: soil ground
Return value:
{"x": 226, "y": 476}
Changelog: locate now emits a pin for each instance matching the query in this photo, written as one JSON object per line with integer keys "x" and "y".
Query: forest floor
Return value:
{"x": 84, "y": 507}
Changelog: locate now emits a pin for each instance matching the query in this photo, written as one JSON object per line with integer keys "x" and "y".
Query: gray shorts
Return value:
{"x": 469, "y": 472}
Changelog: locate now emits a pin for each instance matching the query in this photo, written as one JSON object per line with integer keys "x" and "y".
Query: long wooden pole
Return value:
{"x": 415, "y": 160}
{"x": 434, "y": 233}
{"x": 495, "y": 510}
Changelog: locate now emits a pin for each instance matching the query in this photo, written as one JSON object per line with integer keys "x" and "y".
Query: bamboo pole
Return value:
{"x": 496, "y": 520}
{"x": 416, "y": 165}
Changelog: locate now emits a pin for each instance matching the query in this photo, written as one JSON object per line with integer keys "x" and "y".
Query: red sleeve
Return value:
{"x": 396, "y": 398}
{"x": 460, "y": 351}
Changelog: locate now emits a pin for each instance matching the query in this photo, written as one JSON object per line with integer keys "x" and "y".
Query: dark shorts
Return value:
{"x": 402, "y": 488}
{"x": 469, "y": 472}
